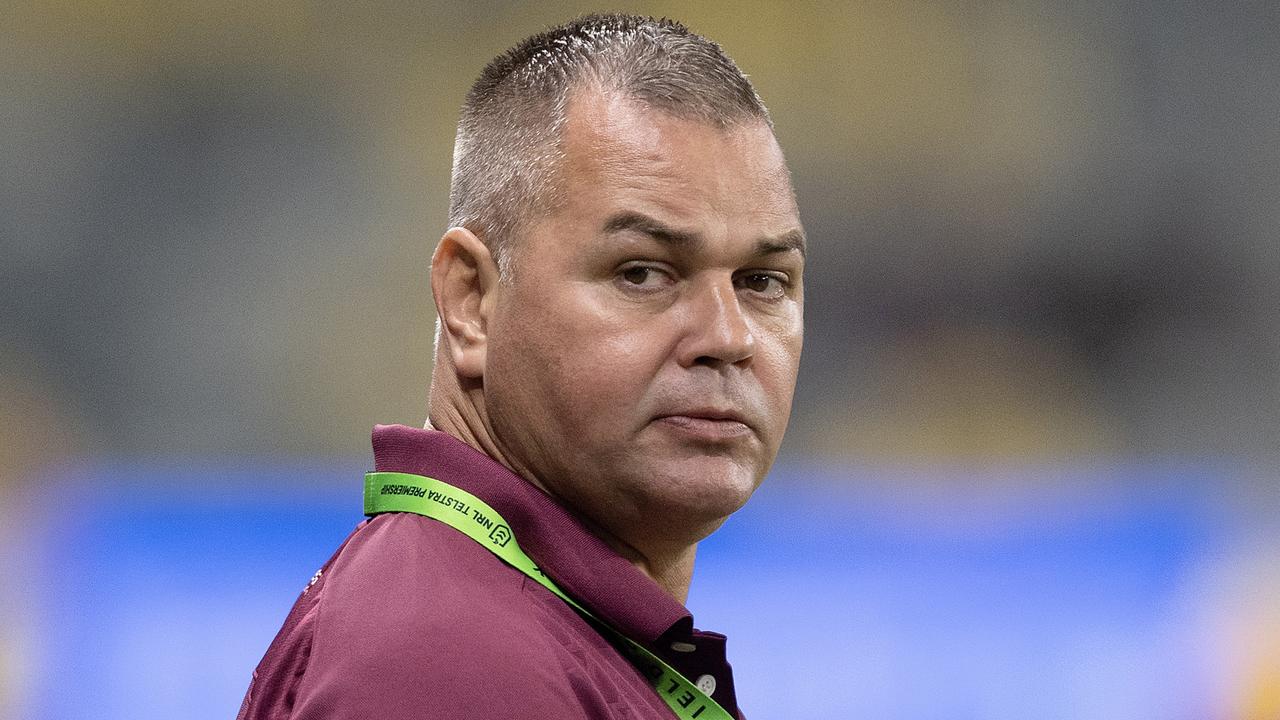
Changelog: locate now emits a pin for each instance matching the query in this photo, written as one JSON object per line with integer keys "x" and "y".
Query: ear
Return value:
{"x": 464, "y": 285}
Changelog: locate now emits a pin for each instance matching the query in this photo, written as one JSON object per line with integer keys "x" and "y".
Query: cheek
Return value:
{"x": 606, "y": 376}
{"x": 779, "y": 380}
{"x": 580, "y": 368}
{"x": 779, "y": 363}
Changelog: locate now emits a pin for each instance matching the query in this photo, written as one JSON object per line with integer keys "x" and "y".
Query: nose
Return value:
{"x": 718, "y": 330}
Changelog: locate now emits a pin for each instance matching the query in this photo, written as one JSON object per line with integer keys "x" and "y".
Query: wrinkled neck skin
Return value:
{"x": 457, "y": 408}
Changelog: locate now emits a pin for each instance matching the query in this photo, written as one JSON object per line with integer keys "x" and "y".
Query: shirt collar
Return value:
{"x": 579, "y": 562}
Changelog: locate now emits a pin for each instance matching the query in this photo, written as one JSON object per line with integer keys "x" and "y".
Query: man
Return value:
{"x": 620, "y": 304}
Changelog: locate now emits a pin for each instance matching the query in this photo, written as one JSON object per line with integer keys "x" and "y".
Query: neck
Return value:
{"x": 671, "y": 567}
{"x": 672, "y": 573}
{"x": 462, "y": 419}
{"x": 671, "y": 570}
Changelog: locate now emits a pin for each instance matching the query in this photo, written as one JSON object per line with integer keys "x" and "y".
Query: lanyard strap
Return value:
{"x": 459, "y": 509}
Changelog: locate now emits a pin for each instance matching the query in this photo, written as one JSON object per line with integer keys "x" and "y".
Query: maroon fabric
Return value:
{"x": 412, "y": 619}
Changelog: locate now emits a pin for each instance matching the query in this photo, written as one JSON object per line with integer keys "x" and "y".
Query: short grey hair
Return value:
{"x": 508, "y": 147}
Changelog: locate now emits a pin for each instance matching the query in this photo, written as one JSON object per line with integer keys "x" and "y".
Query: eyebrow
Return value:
{"x": 631, "y": 221}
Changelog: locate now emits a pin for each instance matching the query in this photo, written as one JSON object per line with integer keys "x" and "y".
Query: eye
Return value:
{"x": 637, "y": 275}
{"x": 769, "y": 285}
{"x": 643, "y": 277}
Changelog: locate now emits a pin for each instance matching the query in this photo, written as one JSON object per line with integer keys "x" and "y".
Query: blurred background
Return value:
{"x": 1032, "y": 466}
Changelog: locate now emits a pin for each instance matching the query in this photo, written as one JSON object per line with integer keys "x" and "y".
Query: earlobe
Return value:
{"x": 464, "y": 281}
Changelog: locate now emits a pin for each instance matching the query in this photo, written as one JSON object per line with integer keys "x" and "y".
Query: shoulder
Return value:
{"x": 405, "y": 578}
{"x": 417, "y": 620}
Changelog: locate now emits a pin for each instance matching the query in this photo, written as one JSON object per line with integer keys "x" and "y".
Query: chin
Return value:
{"x": 705, "y": 489}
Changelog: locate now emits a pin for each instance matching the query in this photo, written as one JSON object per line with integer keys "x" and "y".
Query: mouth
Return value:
{"x": 706, "y": 424}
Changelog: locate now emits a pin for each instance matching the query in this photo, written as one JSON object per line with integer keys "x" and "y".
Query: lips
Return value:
{"x": 710, "y": 414}
{"x": 709, "y": 424}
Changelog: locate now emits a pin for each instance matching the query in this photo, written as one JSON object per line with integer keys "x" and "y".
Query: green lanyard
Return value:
{"x": 459, "y": 509}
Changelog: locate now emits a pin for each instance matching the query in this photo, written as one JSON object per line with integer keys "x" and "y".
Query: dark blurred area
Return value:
{"x": 1041, "y": 235}
{"x": 1037, "y": 232}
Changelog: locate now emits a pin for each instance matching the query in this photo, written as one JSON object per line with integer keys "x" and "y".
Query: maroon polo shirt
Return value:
{"x": 412, "y": 619}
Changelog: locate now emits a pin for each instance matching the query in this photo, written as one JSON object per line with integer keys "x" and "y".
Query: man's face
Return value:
{"x": 641, "y": 360}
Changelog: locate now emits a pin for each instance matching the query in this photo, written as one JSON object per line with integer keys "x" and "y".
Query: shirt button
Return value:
{"x": 706, "y": 684}
{"x": 683, "y": 647}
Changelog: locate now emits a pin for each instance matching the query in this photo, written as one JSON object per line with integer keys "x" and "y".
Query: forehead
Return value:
{"x": 619, "y": 152}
